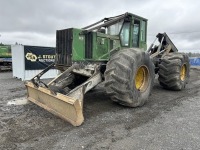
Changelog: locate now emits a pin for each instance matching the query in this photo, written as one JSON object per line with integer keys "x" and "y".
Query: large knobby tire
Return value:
{"x": 174, "y": 71}
{"x": 129, "y": 77}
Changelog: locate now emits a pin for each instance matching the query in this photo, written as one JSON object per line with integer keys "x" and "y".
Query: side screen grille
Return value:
{"x": 88, "y": 45}
{"x": 64, "y": 40}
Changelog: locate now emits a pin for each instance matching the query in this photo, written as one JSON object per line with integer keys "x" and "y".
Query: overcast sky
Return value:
{"x": 34, "y": 22}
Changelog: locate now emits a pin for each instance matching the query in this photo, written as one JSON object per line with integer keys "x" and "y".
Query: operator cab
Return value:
{"x": 131, "y": 30}
{"x": 96, "y": 42}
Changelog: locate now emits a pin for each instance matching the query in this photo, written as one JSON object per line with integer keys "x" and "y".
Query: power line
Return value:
{"x": 189, "y": 49}
{"x": 178, "y": 33}
{"x": 185, "y": 32}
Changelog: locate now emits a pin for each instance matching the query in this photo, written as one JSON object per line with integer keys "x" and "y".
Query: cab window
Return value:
{"x": 143, "y": 31}
{"x": 124, "y": 35}
{"x": 136, "y": 33}
{"x": 115, "y": 28}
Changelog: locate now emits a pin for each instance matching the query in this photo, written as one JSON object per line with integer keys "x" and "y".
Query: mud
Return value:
{"x": 169, "y": 120}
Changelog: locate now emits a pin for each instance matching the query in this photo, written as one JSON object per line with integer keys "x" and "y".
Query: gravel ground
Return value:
{"x": 169, "y": 120}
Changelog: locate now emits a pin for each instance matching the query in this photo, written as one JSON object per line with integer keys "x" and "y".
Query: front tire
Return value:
{"x": 129, "y": 77}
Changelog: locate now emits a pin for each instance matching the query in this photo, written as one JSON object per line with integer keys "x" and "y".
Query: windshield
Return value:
{"x": 115, "y": 28}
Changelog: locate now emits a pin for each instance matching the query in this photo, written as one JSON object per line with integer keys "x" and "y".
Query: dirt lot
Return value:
{"x": 169, "y": 120}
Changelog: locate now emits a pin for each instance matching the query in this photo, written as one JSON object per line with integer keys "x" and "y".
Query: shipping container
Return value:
{"x": 28, "y": 61}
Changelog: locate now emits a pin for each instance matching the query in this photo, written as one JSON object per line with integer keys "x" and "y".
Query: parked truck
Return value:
{"x": 5, "y": 57}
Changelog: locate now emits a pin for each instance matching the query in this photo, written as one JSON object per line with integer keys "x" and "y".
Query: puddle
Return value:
{"x": 18, "y": 101}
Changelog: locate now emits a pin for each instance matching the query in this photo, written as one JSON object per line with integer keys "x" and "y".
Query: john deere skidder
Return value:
{"x": 112, "y": 50}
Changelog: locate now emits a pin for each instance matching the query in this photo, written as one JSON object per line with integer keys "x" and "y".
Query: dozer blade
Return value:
{"x": 53, "y": 97}
{"x": 60, "y": 105}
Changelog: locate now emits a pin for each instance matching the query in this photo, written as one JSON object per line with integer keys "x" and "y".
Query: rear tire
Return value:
{"x": 174, "y": 71}
{"x": 129, "y": 77}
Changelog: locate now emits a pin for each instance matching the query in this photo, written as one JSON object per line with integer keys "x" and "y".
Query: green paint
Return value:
{"x": 78, "y": 45}
{"x": 5, "y": 51}
{"x": 101, "y": 48}
{"x": 102, "y": 43}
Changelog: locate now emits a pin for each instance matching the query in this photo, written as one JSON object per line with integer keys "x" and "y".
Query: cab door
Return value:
{"x": 136, "y": 33}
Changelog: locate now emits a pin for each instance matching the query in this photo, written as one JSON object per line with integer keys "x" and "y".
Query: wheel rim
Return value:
{"x": 183, "y": 72}
{"x": 142, "y": 78}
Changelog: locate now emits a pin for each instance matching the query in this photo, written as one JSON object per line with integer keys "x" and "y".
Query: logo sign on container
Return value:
{"x": 37, "y": 58}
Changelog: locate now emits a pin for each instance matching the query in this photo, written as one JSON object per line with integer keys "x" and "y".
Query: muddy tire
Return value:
{"x": 129, "y": 77}
{"x": 174, "y": 71}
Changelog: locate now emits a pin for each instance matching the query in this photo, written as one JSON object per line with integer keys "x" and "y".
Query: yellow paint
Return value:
{"x": 183, "y": 72}
{"x": 141, "y": 78}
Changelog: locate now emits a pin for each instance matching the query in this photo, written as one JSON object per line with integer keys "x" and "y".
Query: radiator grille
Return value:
{"x": 64, "y": 40}
{"x": 88, "y": 45}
